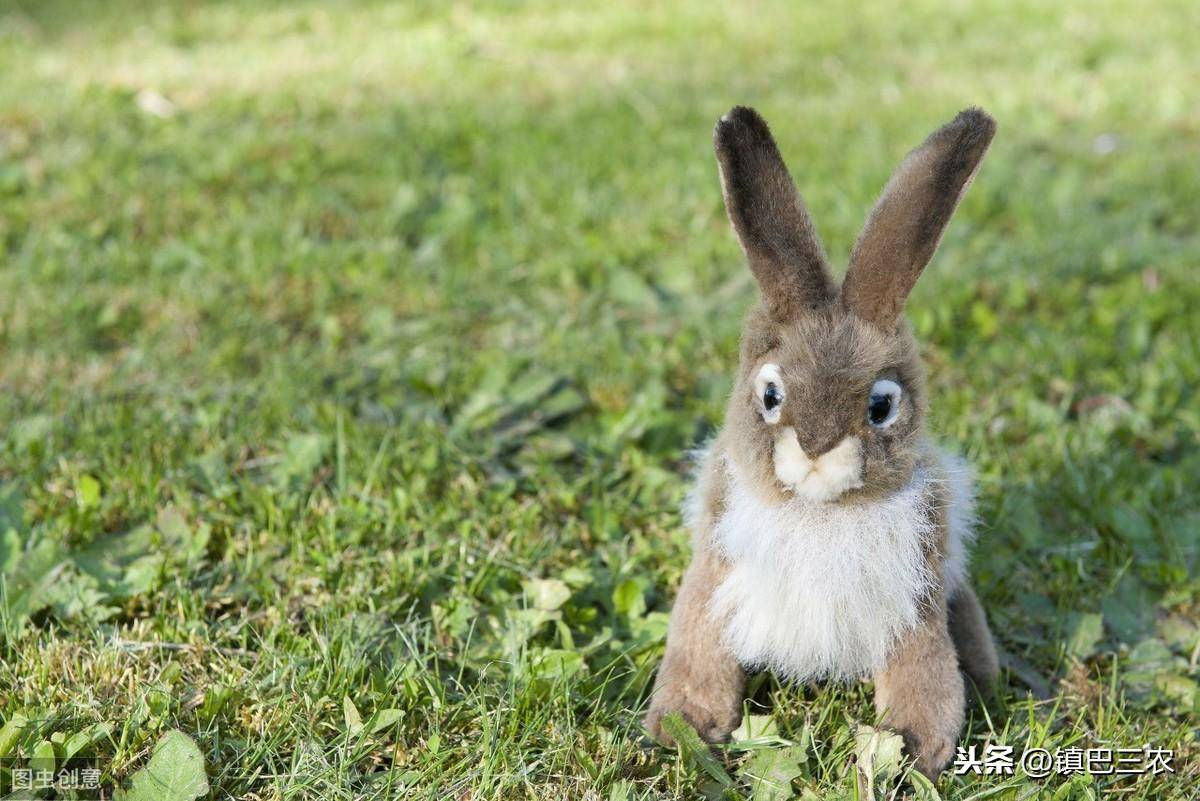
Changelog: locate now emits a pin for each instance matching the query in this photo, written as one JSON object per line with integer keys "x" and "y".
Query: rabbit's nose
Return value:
{"x": 818, "y": 443}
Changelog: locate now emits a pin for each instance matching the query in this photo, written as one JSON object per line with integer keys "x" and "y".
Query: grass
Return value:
{"x": 349, "y": 354}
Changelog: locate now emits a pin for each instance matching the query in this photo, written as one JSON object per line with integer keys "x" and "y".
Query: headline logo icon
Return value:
{"x": 1038, "y": 763}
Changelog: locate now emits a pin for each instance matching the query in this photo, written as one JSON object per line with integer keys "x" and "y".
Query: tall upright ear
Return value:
{"x": 910, "y": 217}
{"x": 769, "y": 218}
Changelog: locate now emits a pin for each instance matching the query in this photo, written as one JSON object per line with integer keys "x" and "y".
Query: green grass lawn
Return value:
{"x": 350, "y": 354}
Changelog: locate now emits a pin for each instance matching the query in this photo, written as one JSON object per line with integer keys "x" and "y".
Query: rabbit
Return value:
{"x": 830, "y": 536}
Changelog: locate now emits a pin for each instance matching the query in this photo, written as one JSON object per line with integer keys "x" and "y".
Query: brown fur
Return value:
{"x": 911, "y": 215}
{"x": 699, "y": 677}
{"x": 829, "y": 354}
{"x": 770, "y": 219}
{"x": 829, "y": 359}
{"x": 973, "y": 640}
{"x": 920, "y": 693}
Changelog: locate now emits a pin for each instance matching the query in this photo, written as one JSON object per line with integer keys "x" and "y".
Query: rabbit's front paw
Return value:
{"x": 931, "y": 751}
{"x": 713, "y": 714}
{"x": 921, "y": 697}
{"x": 930, "y": 723}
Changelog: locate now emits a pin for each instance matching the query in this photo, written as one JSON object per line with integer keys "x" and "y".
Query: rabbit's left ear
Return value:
{"x": 911, "y": 215}
{"x": 771, "y": 221}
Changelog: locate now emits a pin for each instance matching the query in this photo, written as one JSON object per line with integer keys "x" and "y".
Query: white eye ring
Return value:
{"x": 883, "y": 405}
{"x": 768, "y": 375}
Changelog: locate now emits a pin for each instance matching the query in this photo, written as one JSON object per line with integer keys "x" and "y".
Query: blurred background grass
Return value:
{"x": 349, "y": 353}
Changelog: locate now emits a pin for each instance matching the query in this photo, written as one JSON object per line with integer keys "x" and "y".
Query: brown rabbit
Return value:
{"x": 830, "y": 535}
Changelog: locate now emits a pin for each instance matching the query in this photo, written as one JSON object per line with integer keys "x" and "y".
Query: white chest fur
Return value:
{"x": 821, "y": 590}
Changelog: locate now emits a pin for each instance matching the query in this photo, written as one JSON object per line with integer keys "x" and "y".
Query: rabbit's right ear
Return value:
{"x": 910, "y": 217}
{"x": 769, "y": 218}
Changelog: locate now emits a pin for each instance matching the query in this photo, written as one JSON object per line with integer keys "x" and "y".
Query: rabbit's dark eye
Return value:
{"x": 880, "y": 408}
{"x": 768, "y": 389}
{"x": 884, "y": 403}
{"x": 772, "y": 397}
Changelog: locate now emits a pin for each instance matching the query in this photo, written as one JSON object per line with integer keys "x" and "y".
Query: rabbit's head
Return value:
{"x": 828, "y": 404}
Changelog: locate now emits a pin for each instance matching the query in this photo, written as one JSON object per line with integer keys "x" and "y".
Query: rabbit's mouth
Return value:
{"x": 822, "y": 479}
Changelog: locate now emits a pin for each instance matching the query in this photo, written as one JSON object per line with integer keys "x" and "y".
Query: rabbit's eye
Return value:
{"x": 772, "y": 397}
{"x": 768, "y": 387}
{"x": 884, "y": 404}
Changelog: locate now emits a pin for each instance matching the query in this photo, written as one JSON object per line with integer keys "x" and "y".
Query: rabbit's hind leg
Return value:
{"x": 972, "y": 638}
